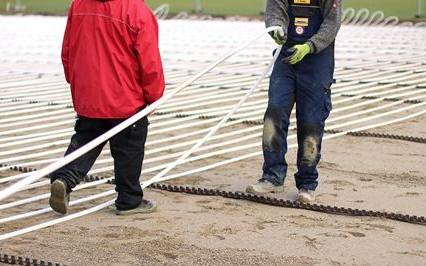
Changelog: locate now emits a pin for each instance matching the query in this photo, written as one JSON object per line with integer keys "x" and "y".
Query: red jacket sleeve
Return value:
{"x": 149, "y": 58}
{"x": 66, "y": 46}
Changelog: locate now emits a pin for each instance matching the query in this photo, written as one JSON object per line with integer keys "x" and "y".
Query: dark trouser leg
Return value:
{"x": 313, "y": 104}
{"x": 86, "y": 130}
{"x": 276, "y": 123}
{"x": 274, "y": 144}
{"x": 127, "y": 148}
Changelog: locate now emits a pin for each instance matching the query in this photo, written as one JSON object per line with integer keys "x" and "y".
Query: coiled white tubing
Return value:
{"x": 350, "y": 16}
{"x": 162, "y": 11}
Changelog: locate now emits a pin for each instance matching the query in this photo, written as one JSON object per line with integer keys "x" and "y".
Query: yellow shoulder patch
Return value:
{"x": 301, "y": 22}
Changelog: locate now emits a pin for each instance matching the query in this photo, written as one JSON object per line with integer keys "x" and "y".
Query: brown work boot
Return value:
{"x": 59, "y": 197}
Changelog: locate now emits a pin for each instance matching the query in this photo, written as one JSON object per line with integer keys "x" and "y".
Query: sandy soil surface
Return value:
{"x": 356, "y": 172}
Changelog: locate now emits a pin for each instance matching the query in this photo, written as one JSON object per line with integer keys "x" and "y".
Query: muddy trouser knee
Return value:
{"x": 308, "y": 84}
{"x": 276, "y": 122}
{"x": 313, "y": 106}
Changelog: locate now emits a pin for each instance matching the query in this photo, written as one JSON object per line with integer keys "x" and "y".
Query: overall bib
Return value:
{"x": 306, "y": 84}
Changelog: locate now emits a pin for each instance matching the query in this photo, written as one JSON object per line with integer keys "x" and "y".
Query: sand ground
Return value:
{"x": 356, "y": 172}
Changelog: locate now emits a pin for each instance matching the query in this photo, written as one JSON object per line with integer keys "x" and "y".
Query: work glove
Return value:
{"x": 298, "y": 52}
{"x": 278, "y": 36}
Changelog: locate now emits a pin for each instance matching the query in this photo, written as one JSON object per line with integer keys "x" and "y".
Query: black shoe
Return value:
{"x": 59, "y": 197}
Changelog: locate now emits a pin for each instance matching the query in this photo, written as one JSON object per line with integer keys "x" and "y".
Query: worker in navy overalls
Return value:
{"x": 302, "y": 76}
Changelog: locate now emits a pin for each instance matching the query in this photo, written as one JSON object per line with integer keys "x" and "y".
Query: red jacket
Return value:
{"x": 111, "y": 57}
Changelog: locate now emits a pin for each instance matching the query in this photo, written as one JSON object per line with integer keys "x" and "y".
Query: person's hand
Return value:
{"x": 278, "y": 36}
{"x": 298, "y": 53}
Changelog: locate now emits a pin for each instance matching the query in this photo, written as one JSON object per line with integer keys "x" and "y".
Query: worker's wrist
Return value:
{"x": 311, "y": 47}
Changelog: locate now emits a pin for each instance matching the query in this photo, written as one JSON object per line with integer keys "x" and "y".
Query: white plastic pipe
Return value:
{"x": 261, "y": 111}
{"x": 109, "y": 203}
{"x": 106, "y": 136}
{"x": 219, "y": 125}
{"x": 225, "y": 151}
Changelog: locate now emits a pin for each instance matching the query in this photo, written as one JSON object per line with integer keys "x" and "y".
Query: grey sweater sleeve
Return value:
{"x": 332, "y": 10}
{"x": 276, "y": 14}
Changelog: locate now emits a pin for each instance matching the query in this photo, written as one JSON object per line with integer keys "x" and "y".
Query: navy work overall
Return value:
{"x": 308, "y": 85}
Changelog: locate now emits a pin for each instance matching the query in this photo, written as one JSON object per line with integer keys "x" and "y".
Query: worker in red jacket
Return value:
{"x": 112, "y": 61}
